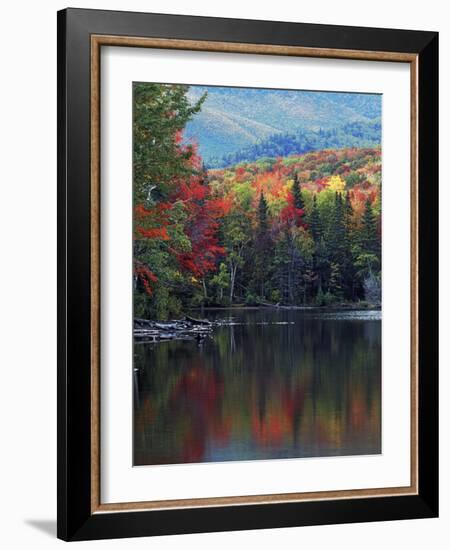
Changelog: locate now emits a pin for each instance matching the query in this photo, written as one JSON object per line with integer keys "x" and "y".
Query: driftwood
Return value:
{"x": 183, "y": 329}
{"x": 194, "y": 321}
{"x": 268, "y": 304}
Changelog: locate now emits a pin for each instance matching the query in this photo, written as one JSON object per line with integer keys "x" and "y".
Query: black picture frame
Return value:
{"x": 75, "y": 518}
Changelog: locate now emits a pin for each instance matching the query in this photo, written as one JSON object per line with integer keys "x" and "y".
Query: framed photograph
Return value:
{"x": 247, "y": 274}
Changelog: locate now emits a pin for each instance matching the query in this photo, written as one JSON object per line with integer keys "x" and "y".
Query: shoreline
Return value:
{"x": 196, "y": 328}
{"x": 341, "y": 307}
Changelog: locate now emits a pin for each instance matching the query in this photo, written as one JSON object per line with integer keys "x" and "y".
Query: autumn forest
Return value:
{"x": 257, "y": 274}
{"x": 300, "y": 229}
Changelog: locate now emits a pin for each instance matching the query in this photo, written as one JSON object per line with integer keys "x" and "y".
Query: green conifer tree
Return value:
{"x": 370, "y": 242}
{"x": 337, "y": 240}
{"x": 349, "y": 280}
{"x": 297, "y": 193}
{"x": 315, "y": 222}
{"x": 262, "y": 215}
{"x": 263, "y": 245}
{"x": 335, "y": 283}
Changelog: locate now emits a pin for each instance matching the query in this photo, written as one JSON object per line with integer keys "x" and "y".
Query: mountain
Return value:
{"x": 234, "y": 119}
{"x": 354, "y": 134}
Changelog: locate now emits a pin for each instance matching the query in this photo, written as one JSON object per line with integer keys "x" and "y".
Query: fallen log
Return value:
{"x": 142, "y": 323}
{"x": 168, "y": 326}
{"x": 195, "y": 321}
{"x": 187, "y": 329}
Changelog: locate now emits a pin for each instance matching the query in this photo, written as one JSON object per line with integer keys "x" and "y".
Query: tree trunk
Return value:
{"x": 232, "y": 281}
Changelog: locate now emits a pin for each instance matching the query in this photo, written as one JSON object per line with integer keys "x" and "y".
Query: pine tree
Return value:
{"x": 348, "y": 216}
{"x": 281, "y": 265}
{"x": 320, "y": 255}
{"x": 336, "y": 246}
{"x": 367, "y": 261}
{"x": 262, "y": 215}
{"x": 369, "y": 236}
{"x": 297, "y": 193}
{"x": 337, "y": 239}
{"x": 315, "y": 222}
{"x": 349, "y": 281}
{"x": 335, "y": 283}
{"x": 263, "y": 245}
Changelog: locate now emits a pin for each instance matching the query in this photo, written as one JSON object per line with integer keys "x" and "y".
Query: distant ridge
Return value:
{"x": 234, "y": 120}
{"x": 356, "y": 134}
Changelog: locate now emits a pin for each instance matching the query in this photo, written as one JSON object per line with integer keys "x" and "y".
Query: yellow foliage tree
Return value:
{"x": 336, "y": 183}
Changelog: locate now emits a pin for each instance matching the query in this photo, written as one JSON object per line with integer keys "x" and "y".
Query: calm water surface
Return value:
{"x": 272, "y": 384}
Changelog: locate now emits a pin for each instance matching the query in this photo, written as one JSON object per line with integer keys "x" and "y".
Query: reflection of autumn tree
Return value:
{"x": 192, "y": 394}
{"x": 311, "y": 393}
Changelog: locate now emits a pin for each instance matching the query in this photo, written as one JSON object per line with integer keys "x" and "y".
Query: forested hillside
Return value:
{"x": 353, "y": 134}
{"x": 232, "y": 120}
{"x": 302, "y": 229}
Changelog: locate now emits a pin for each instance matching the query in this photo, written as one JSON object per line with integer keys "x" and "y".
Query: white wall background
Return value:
{"x": 28, "y": 273}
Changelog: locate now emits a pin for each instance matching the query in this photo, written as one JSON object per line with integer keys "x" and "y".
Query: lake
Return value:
{"x": 268, "y": 384}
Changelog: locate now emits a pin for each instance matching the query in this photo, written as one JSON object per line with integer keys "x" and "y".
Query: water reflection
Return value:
{"x": 274, "y": 384}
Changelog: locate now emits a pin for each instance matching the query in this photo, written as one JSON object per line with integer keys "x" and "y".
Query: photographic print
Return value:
{"x": 256, "y": 273}
{"x": 247, "y": 274}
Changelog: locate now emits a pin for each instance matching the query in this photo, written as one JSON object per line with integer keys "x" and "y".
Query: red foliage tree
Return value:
{"x": 291, "y": 216}
{"x": 202, "y": 223}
